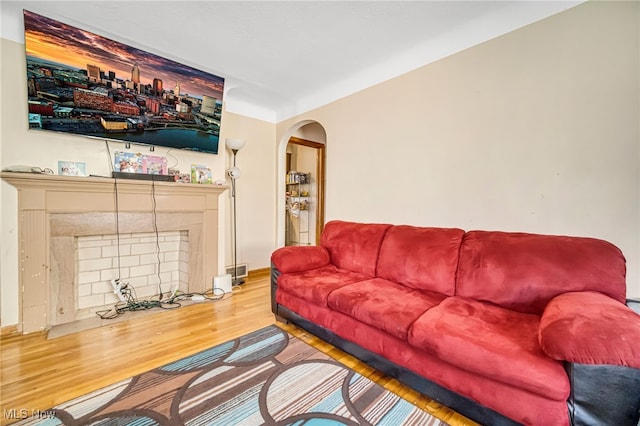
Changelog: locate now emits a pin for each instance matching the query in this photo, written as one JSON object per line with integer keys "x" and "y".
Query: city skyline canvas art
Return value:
{"x": 83, "y": 83}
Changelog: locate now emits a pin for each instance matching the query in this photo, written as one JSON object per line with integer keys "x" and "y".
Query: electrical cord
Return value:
{"x": 155, "y": 229}
{"x": 173, "y": 157}
{"x": 208, "y": 295}
{"x": 115, "y": 188}
{"x": 131, "y": 302}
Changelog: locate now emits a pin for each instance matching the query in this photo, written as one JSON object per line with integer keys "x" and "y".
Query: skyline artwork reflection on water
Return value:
{"x": 189, "y": 139}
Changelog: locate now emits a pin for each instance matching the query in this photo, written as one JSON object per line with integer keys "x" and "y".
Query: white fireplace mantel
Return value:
{"x": 52, "y": 210}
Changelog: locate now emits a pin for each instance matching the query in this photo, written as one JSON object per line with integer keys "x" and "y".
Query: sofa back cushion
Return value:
{"x": 421, "y": 258}
{"x": 524, "y": 272}
{"x": 353, "y": 246}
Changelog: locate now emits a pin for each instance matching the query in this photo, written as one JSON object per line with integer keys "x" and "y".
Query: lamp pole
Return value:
{"x": 234, "y": 145}
{"x": 236, "y": 280}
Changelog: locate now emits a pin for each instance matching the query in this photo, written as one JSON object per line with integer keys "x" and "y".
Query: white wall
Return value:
{"x": 535, "y": 131}
{"x": 255, "y": 190}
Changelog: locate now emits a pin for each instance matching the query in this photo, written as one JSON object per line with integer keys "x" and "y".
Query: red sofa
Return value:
{"x": 505, "y": 328}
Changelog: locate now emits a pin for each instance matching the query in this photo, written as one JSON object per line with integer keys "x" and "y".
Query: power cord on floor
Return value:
{"x": 132, "y": 303}
{"x": 214, "y": 294}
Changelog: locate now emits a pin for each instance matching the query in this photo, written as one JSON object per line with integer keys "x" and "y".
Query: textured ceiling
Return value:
{"x": 283, "y": 58}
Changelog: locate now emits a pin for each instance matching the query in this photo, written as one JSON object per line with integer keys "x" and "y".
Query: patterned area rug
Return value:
{"x": 266, "y": 377}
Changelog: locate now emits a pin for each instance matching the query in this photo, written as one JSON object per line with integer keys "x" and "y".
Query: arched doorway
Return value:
{"x": 304, "y": 192}
{"x": 301, "y": 147}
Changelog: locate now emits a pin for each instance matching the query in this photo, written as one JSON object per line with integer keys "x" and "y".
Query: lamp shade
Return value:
{"x": 234, "y": 173}
{"x": 234, "y": 144}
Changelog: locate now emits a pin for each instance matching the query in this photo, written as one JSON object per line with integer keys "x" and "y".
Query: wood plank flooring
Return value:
{"x": 37, "y": 373}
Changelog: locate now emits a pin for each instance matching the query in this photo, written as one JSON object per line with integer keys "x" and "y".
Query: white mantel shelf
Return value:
{"x": 53, "y": 210}
{"x": 36, "y": 181}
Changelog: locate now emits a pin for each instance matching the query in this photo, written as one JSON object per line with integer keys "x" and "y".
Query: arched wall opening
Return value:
{"x": 309, "y": 130}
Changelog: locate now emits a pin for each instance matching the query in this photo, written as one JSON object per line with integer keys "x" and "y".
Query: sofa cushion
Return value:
{"x": 421, "y": 258}
{"x": 354, "y": 246}
{"x": 383, "y": 304}
{"x": 490, "y": 341}
{"x": 525, "y": 271}
{"x": 315, "y": 285}
{"x": 590, "y": 328}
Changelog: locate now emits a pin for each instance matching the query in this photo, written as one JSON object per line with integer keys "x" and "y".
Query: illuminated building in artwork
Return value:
{"x": 114, "y": 123}
{"x": 153, "y": 105}
{"x": 125, "y": 108}
{"x": 182, "y": 107}
{"x": 176, "y": 91}
{"x": 35, "y": 121}
{"x": 157, "y": 87}
{"x": 41, "y": 107}
{"x": 93, "y": 99}
{"x": 135, "y": 77}
{"x": 62, "y": 112}
{"x": 93, "y": 71}
{"x": 208, "y": 105}
{"x": 135, "y": 74}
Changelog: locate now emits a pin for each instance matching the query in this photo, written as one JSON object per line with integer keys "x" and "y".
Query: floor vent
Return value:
{"x": 241, "y": 269}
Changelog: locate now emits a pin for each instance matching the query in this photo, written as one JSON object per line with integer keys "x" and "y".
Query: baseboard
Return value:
{"x": 8, "y": 331}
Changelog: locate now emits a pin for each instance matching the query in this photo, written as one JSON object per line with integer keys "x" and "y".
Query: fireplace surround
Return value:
{"x": 54, "y": 210}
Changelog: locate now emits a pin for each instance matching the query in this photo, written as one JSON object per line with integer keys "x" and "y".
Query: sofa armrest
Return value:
{"x": 590, "y": 328}
{"x": 299, "y": 258}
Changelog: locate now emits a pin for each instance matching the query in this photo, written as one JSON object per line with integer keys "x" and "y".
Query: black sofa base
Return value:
{"x": 604, "y": 395}
{"x": 456, "y": 402}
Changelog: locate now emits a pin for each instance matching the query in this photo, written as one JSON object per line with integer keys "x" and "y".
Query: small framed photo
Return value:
{"x": 154, "y": 165}
{"x": 72, "y": 168}
{"x": 127, "y": 162}
{"x": 183, "y": 178}
{"x": 201, "y": 174}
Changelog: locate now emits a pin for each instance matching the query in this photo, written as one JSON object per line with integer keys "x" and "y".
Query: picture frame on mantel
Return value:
{"x": 72, "y": 168}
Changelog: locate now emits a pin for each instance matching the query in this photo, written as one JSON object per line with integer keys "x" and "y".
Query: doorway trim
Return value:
{"x": 320, "y": 167}
{"x": 280, "y": 178}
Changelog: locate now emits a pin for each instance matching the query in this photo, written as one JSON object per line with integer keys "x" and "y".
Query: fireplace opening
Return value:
{"x": 152, "y": 266}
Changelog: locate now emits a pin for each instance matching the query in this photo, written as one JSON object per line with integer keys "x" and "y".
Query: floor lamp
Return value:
{"x": 234, "y": 173}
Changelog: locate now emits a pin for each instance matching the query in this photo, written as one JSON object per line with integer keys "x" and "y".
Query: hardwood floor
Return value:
{"x": 37, "y": 373}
